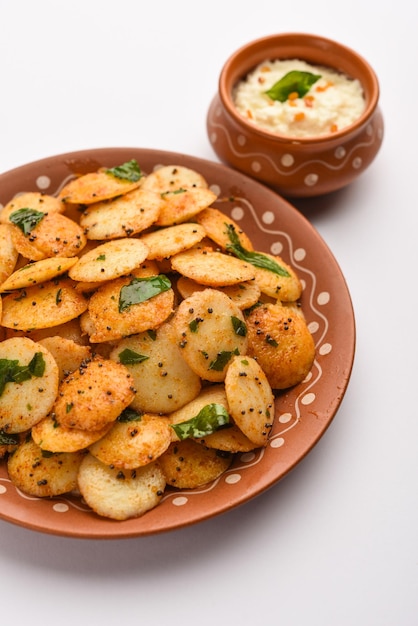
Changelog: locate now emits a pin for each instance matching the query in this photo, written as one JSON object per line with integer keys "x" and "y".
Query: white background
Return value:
{"x": 335, "y": 543}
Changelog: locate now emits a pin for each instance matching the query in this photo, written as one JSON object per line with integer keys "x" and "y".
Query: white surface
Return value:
{"x": 335, "y": 543}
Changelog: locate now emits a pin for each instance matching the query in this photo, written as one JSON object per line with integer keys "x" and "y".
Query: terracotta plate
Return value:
{"x": 303, "y": 413}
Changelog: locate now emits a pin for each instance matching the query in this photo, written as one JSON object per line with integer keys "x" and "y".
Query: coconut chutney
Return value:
{"x": 332, "y": 102}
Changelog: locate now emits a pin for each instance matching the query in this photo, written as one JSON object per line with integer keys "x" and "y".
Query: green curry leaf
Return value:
{"x": 222, "y": 359}
{"x": 12, "y": 372}
{"x": 7, "y": 439}
{"x": 129, "y": 415}
{"x": 130, "y": 357}
{"x": 127, "y": 171}
{"x": 26, "y": 219}
{"x": 292, "y": 82}
{"x": 209, "y": 419}
{"x": 239, "y": 326}
{"x": 258, "y": 259}
{"x": 142, "y": 289}
{"x": 37, "y": 365}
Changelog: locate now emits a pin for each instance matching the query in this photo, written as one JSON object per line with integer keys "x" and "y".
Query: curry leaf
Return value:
{"x": 258, "y": 259}
{"x": 127, "y": 171}
{"x": 141, "y": 289}
{"x": 222, "y": 358}
{"x": 37, "y": 365}
{"x": 209, "y": 419}
{"x": 26, "y": 219}
{"x": 12, "y": 372}
{"x": 129, "y": 415}
{"x": 292, "y": 82}
{"x": 239, "y": 327}
{"x": 7, "y": 439}
{"x": 130, "y": 357}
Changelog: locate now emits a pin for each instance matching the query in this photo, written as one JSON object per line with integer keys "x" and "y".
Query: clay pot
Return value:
{"x": 296, "y": 167}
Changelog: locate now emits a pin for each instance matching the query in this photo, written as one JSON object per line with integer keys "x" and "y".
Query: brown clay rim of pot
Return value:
{"x": 311, "y": 48}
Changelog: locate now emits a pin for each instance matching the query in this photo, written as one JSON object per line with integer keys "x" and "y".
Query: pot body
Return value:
{"x": 293, "y": 168}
